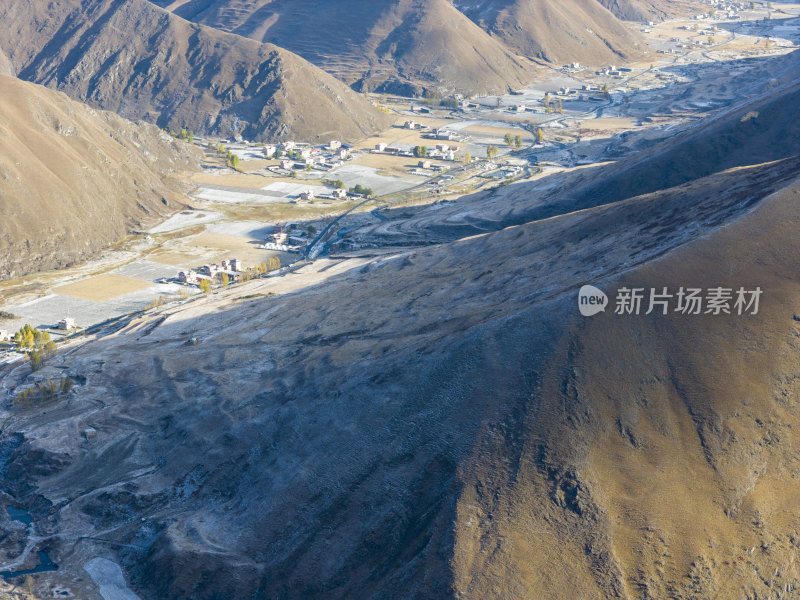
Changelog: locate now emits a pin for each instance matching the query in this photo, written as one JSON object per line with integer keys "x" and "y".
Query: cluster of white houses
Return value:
{"x": 302, "y": 156}
{"x": 440, "y": 151}
{"x": 335, "y": 194}
{"x": 292, "y": 237}
{"x": 287, "y": 239}
{"x": 230, "y": 267}
{"x": 428, "y": 165}
{"x": 440, "y": 133}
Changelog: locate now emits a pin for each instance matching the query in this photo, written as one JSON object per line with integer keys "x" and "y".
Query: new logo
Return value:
{"x": 591, "y": 300}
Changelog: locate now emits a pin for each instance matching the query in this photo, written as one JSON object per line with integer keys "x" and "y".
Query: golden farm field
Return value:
{"x": 103, "y": 287}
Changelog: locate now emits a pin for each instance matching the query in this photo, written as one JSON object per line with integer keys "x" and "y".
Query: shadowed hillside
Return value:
{"x": 74, "y": 180}
{"x": 444, "y": 424}
{"x": 144, "y": 63}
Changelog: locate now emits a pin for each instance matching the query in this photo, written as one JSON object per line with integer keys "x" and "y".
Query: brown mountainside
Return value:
{"x": 6, "y": 68}
{"x": 558, "y": 32}
{"x": 74, "y": 180}
{"x": 651, "y": 10}
{"x": 144, "y": 63}
{"x": 398, "y": 44}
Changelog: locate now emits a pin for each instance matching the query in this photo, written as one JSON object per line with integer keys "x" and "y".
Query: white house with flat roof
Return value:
{"x": 66, "y": 323}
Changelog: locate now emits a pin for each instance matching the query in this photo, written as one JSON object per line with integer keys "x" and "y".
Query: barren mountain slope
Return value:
{"x": 394, "y": 45}
{"x": 5, "y": 64}
{"x": 443, "y": 423}
{"x": 557, "y": 31}
{"x": 656, "y": 452}
{"x": 651, "y": 10}
{"x": 74, "y": 180}
{"x": 144, "y": 63}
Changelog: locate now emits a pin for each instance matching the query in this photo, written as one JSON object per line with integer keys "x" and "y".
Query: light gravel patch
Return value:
{"x": 187, "y": 218}
{"x": 110, "y": 579}
{"x": 293, "y": 189}
{"x": 251, "y": 230}
{"x": 232, "y": 197}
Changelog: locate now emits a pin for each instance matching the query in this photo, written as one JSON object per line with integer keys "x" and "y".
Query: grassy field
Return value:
{"x": 257, "y": 164}
{"x": 242, "y": 180}
{"x": 103, "y": 287}
{"x": 279, "y": 212}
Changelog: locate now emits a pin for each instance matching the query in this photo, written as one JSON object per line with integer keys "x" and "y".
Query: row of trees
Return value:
{"x": 39, "y": 343}
{"x": 491, "y": 151}
{"x": 230, "y": 158}
{"x": 273, "y": 263}
{"x": 356, "y": 189}
{"x": 47, "y": 390}
{"x": 337, "y": 183}
{"x": 30, "y": 337}
{"x": 551, "y": 105}
{"x": 434, "y": 99}
{"x": 157, "y": 302}
{"x": 513, "y": 140}
{"x": 361, "y": 190}
{"x": 37, "y": 356}
{"x": 420, "y": 151}
{"x": 186, "y": 135}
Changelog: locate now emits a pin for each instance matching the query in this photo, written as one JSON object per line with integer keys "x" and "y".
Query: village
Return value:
{"x": 264, "y": 209}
